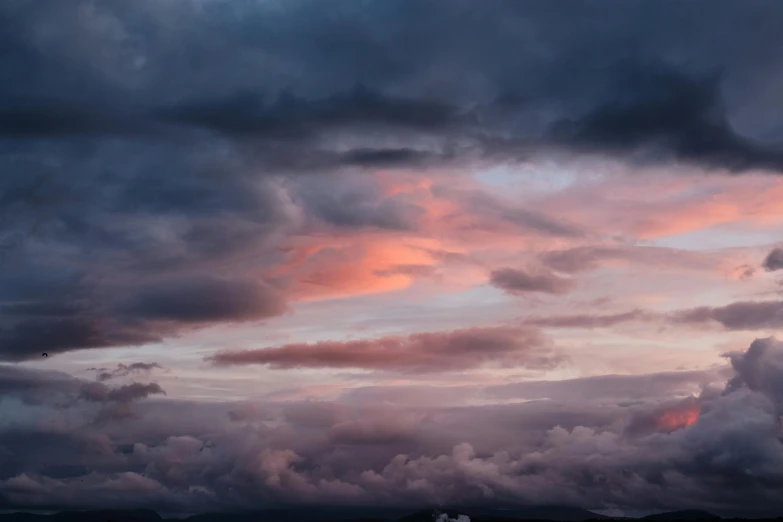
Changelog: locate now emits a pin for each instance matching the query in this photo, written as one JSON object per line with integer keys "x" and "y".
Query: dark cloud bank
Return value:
{"x": 149, "y": 149}
{"x": 618, "y": 442}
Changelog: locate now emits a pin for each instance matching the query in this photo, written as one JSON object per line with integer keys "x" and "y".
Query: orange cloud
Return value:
{"x": 458, "y": 218}
{"x": 662, "y": 207}
{"x": 678, "y": 418}
{"x": 340, "y": 267}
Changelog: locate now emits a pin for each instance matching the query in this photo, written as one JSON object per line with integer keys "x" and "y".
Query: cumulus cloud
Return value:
{"x": 713, "y": 450}
{"x": 759, "y": 369}
{"x": 444, "y": 517}
{"x": 427, "y": 352}
{"x": 50, "y": 389}
{"x": 20, "y": 380}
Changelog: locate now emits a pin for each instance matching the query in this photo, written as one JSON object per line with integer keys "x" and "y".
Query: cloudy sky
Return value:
{"x": 260, "y": 253}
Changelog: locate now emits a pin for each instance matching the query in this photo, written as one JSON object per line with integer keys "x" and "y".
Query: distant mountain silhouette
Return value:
{"x": 558, "y": 513}
{"x": 299, "y": 515}
{"x": 139, "y": 515}
{"x": 368, "y": 514}
{"x": 688, "y": 514}
{"x": 428, "y": 515}
{"x": 477, "y": 514}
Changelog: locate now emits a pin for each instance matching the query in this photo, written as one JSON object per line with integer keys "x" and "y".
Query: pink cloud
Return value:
{"x": 660, "y": 206}
{"x": 427, "y": 352}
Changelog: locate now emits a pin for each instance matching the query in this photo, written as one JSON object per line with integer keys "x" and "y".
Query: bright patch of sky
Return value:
{"x": 542, "y": 178}
{"x": 720, "y": 237}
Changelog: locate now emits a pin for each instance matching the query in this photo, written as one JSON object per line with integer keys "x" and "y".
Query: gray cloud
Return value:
{"x": 51, "y": 388}
{"x": 155, "y": 155}
{"x": 741, "y": 315}
{"x": 617, "y": 102}
{"x": 293, "y": 118}
{"x": 515, "y": 281}
{"x": 586, "y": 258}
{"x": 205, "y": 300}
{"x": 98, "y": 392}
{"x": 774, "y": 260}
{"x": 659, "y": 96}
{"x": 660, "y": 113}
{"x": 123, "y": 370}
{"x": 426, "y": 352}
{"x": 759, "y": 369}
{"x": 614, "y": 387}
{"x": 164, "y": 159}
{"x": 718, "y": 450}
{"x": 589, "y": 320}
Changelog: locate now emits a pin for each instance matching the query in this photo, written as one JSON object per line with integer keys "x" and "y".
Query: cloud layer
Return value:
{"x": 386, "y": 226}
{"x": 667, "y": 449}
{"x": 136, "y": 179}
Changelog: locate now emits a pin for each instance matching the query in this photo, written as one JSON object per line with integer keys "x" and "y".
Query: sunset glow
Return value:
{"x": 677, "y": 419}
{"x": 353, "y": 259}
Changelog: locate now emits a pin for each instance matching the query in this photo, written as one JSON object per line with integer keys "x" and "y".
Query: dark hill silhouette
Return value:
{"x": 313, "y": 514}
{"x": 688, "y": 514}
{"x": 559, "y": 513}
{"x": 140, "y": 515}
{"x": 369, "y": 514}
{"x": 478, "y": 514}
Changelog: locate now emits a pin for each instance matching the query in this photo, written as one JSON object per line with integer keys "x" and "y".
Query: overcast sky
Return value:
{"x": 264, "y": 253}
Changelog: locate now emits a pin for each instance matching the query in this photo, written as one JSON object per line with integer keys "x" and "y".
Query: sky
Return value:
{"x": 404, "y": 253}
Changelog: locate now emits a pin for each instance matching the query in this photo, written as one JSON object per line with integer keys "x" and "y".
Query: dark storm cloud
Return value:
{"x": 662, "y": 114}
{"x": 205, "y": 300}
{"x": 52, "y": 387}
{"x": 119, "y": 223}
{"x": 148, "y": 143}
{"x": 515, "y": 281}
{"x": 34, "y": 386}
{"x": 44, "y": 121}
{"x": 774, "y": 260}
{"x": 29, "y": 338}
{"x": 290, "y": 117}
{"x": 367, "y": 67}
